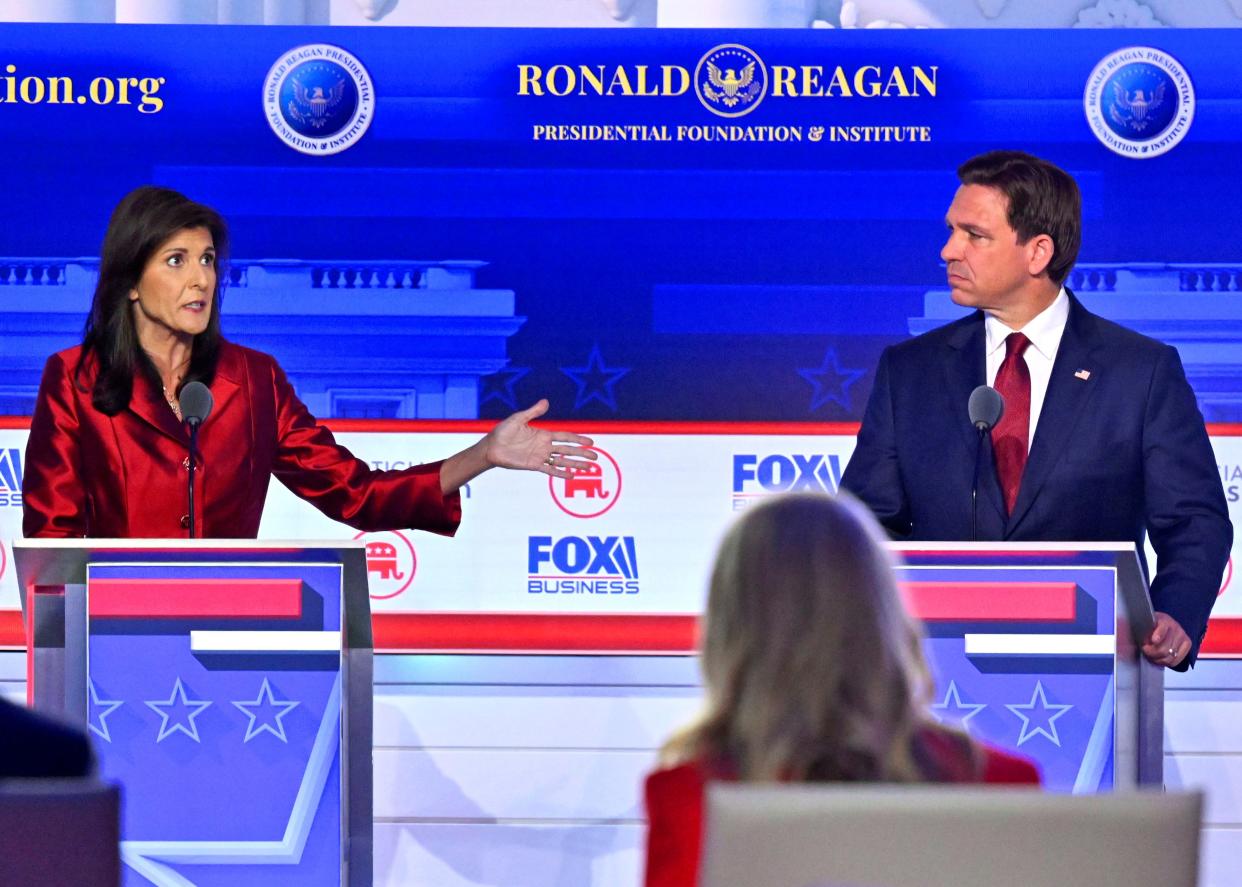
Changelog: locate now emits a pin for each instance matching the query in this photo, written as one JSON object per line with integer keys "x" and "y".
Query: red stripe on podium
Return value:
{"x": 12, "y": 632}
{"x": 990, "y": 601}
{"x": 196, "y": 598}
{"x": 1224, "y": 638}
{"x": 525, "y": 633}
{"x": 483, "y": 633}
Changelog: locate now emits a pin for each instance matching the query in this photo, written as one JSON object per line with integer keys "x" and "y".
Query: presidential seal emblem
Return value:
{"x": 1139, "y": 102}
{"x": 318, "y": 99}
{"x": 730, "y": 80}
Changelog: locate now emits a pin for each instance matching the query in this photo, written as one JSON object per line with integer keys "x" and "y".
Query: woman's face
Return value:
{"x": 173, "y": 296}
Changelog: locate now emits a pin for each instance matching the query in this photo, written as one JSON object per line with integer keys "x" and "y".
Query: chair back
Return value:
{"x": 928, "y": 836}
{"x": 59, "y": 833}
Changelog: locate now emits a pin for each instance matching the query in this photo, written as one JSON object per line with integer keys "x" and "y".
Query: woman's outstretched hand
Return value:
{"x": 515, "y": 444}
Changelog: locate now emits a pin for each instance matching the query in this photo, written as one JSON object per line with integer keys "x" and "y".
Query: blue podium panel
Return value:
{"x": 215, "y": 699}
{"x": 1025, "y": 650}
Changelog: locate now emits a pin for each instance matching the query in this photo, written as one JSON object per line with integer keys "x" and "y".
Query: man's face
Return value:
{"x": 987, "y": 267}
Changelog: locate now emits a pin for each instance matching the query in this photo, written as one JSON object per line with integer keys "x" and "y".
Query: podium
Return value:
{"x": 226, "y": 686}
{"x": 1034, "y": 647}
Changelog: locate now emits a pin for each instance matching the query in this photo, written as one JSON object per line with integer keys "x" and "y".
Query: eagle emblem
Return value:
{"x": 730, "y": 80}
{"x": 311, "y": 106}
{"x": 731, "y": 88}
{"x": 1132, "y": 108}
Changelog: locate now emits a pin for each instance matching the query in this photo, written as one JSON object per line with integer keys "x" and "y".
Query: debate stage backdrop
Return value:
{"x": 673, "y": 226}
{"x": 695, "y": 243}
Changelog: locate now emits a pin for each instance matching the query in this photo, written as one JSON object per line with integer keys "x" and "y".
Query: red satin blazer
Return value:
{"x": 87, "y": 474}
{"x": 675, "y": 795}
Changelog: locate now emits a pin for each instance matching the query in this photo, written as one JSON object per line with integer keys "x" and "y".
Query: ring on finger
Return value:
{"x": 551, "y": 460}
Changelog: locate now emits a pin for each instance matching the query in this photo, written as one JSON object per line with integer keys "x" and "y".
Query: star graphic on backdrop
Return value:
{"x": 1039, "y": 709}
{"x": 952, "y": 707}
{"x": 499, "y": 386}
{"x": 178, "y": 713}
{"x": 265, "y": 714}
{"x": 595, "y": 381}
{"x": 830, "y": 381}
{"x": 98, "y": 711}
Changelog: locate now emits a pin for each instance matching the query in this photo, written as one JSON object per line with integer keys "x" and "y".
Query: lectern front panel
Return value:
{"x": 1027, "y": 649}
{"x": 215, "y": 700}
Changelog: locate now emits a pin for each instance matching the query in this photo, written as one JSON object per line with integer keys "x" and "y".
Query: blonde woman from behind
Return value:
{"x": 812, "y": 672}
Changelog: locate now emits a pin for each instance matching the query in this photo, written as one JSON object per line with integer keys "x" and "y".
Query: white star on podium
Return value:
{"x": 266, "y": 712}
{"x": 1039, "y": 706}
{"x": 178, "y": 713}
{"x": 952, "y": 707}
{"x": 99, "y": 709}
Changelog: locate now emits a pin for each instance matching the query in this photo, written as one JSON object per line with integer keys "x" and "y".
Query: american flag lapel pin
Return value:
{"x": 1083, "y": 374}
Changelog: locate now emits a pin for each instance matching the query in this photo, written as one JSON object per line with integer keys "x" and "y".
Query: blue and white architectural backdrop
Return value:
{"x": 687, "y": 222}
{"x": 503, "y": 214}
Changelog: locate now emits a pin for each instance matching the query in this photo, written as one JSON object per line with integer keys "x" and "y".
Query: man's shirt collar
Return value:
{"x": 1044, "y": 330}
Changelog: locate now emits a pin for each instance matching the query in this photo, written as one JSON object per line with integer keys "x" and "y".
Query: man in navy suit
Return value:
{"x": 32, "y": 745}
{"x": 1101, "y": 439}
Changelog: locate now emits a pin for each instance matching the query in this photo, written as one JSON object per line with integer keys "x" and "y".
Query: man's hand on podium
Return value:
{"x": 1168, "y": 644}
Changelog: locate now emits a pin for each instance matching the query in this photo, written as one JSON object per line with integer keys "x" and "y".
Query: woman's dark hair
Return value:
{"x": 1043, "y": 199}
{"x": 144, "y": 219}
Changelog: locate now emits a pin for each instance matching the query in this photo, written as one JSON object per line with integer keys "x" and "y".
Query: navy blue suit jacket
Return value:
{"x": 1118, "y": 453}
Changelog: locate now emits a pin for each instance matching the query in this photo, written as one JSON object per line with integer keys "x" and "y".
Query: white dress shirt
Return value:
{"x": 1044, "y": 331}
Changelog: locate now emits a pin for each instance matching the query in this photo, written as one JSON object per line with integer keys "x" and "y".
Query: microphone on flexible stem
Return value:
{"x": 195, "y": 403}
{"x": 986, "y": 407}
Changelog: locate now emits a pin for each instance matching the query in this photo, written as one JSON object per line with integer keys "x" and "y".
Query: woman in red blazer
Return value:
{"x": 813, "y": 673}
{"x": 107, "y": 453}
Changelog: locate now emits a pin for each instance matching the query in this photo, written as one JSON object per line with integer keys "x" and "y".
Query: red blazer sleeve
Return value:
{"x": 315, "y": 467}
{"x": 53, "y": 497}
{"x": 674, "y": 799}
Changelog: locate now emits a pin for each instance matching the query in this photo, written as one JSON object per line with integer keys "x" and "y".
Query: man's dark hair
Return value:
{"x": 1043, "y": 199}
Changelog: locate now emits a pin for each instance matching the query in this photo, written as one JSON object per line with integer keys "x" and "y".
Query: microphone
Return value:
{"x": 985, "y": 408}
{"x": 196, "y": 403}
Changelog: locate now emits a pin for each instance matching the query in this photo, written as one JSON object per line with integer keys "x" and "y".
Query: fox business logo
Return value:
{"x": 10, "y": 477}
{"x": 582, "y": 565}
{"x": 755, "y": 476}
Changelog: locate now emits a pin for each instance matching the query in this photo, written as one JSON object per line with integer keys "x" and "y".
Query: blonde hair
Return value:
{"x": 812, "y": 669}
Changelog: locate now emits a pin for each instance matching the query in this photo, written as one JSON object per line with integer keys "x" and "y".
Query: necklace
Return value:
{"x": 173, "y": 405}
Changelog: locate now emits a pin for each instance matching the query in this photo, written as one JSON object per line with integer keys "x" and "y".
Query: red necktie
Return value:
{"x": 1010, "y": 436}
